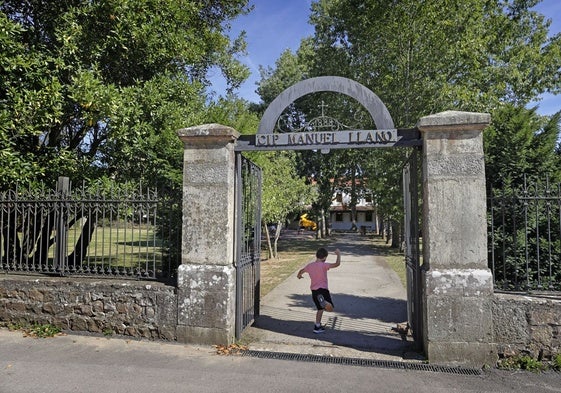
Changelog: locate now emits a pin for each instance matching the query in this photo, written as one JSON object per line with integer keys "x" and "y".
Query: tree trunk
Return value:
{"x": 354, "y": 200}
{"x": 277, "y": 236}
{"x": 269, "y": 245}
{"x": 395, "y": 234}
{"x": 324, "y": 229}
{"x": 81, "y": 248}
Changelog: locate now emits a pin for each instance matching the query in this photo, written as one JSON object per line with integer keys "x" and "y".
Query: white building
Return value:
{"x": 340, "y": 215}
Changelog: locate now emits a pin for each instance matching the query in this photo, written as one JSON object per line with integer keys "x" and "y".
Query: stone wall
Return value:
{"x": 130, "y": 308}
{"x": 527, "y": 325}
{"x": 522, "y": 324}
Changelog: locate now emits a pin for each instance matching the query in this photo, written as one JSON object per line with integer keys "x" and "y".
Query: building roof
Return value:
{"x": 348, "y": 209}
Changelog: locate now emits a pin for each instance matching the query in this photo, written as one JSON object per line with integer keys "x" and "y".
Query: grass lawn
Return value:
{"x": 394, "y": 257}
{"x": 122, "y": 244}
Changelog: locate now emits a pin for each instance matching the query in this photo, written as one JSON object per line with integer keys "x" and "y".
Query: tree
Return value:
{"x": 28, "y": 104}
{"x": 385, "y": 166}
{"x": 97, "y": 88}
{"x": 523, "y": 173}
{"x": 233, "y": 112}
{"x": 288, "y": 70}
{"x": 521, "y": 143}
{"x": 283, "y": 191}
{"x": 427, "y": 57}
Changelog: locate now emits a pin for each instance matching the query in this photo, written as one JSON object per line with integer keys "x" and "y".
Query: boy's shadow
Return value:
{"x": 383, "y": 309}
{"x": 361, "y": 323}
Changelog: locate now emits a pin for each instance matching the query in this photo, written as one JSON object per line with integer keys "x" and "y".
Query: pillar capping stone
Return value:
{"x": 454, "y": 121}
{"x": 207, "y": 134}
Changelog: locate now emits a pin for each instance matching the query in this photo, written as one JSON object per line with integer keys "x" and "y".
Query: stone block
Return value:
{"x": 467, "y": 354}
{"x": 446, "y": 166}
{"x": 527, "y": 324}
{"x": 451, "y": 142}
{"x": 541, "y": 335}
{"x": 35, "y": 295}
{"x": 207, "y": 223}
{"x": 203, "y": 335}
{"x": 168, "y": 332}
{"x": 459, "y": 282}
{"x": 17, "y": 307}
{"x": 510, "y": 322}
{"x": 207, "y": 134}
{"x": 458, "y": 316}
{"x": 454, "y": 121}
{"x": 205, "y": 173}
{"x": 166, "y": 309}
{"x": 454, "y": 233}
{"x": 206, "y": 296}
{"x": 79, "y": 323}
{"x": 545, "y": 314}
{"x": 453, "y": 319}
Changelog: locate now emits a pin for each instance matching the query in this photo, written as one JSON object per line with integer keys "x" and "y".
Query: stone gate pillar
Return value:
{"x": 457, "y": 284}
{"x": 206, "y": 278}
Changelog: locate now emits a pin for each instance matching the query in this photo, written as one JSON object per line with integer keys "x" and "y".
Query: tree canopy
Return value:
{"x": 426, "y": 57}
{"x": 92, "y": 88}
{"x": 521, "y": 143}
{"x": 430, "y": 56}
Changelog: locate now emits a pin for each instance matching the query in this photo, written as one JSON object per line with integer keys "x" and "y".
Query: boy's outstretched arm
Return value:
{"x": 299, "y": 275}
{"x": 338, "y": 261}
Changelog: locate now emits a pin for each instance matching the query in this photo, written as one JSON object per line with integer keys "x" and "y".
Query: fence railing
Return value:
{"x": 525, "y": 237}
{"x": 88, "y": 232}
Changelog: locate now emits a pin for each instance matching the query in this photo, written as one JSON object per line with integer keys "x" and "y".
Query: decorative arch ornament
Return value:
{"x": 370, "y": 101}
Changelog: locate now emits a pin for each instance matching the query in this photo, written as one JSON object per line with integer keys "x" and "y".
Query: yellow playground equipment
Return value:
{"x": 307, "y": 223}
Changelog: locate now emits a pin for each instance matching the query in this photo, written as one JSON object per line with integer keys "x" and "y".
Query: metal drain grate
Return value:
{"x": 361, "y": 362}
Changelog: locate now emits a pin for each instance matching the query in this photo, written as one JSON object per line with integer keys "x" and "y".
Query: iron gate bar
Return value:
{"x": 247, "y": 242}
{"x": 412, "y": 248}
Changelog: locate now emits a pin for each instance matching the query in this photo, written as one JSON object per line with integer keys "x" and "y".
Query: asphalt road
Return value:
{"x": 95, "y": 364}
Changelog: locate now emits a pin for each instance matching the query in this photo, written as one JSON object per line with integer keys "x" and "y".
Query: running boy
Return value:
{"x": 317, "y": 271}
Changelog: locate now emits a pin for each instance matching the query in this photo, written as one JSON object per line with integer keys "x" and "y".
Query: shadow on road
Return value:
{"x": 365, "y": 335}
{"x": 369, "y": 301}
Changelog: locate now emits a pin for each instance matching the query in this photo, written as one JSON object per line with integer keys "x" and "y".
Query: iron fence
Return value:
{"x": 525, "y": 237}
{"x": 90, "y": 231}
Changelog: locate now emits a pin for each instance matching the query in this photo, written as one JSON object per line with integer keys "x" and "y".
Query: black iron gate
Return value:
{"x": 411, "y": 174}
{"x": 248, "y": 242}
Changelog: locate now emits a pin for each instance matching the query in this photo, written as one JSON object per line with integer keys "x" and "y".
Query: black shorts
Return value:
{"x": 326, "y": 296}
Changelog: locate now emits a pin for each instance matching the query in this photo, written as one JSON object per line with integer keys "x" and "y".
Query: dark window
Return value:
{"x": 368, "y": 217}
{"x": 338, "y": 216}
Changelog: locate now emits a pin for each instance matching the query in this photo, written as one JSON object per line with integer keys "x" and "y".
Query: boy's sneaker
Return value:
{"x": 319, "y": 329}
{"x": 325, "y": 304}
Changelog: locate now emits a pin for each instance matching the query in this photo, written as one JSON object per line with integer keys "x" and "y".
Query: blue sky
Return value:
{"x": 273, "y": 26}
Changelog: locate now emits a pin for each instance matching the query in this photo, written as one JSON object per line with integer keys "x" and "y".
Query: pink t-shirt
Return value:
{"x": 318, "y": 274}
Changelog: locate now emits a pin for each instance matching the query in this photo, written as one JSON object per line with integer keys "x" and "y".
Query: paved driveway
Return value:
{"x": 369, "y": 300}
